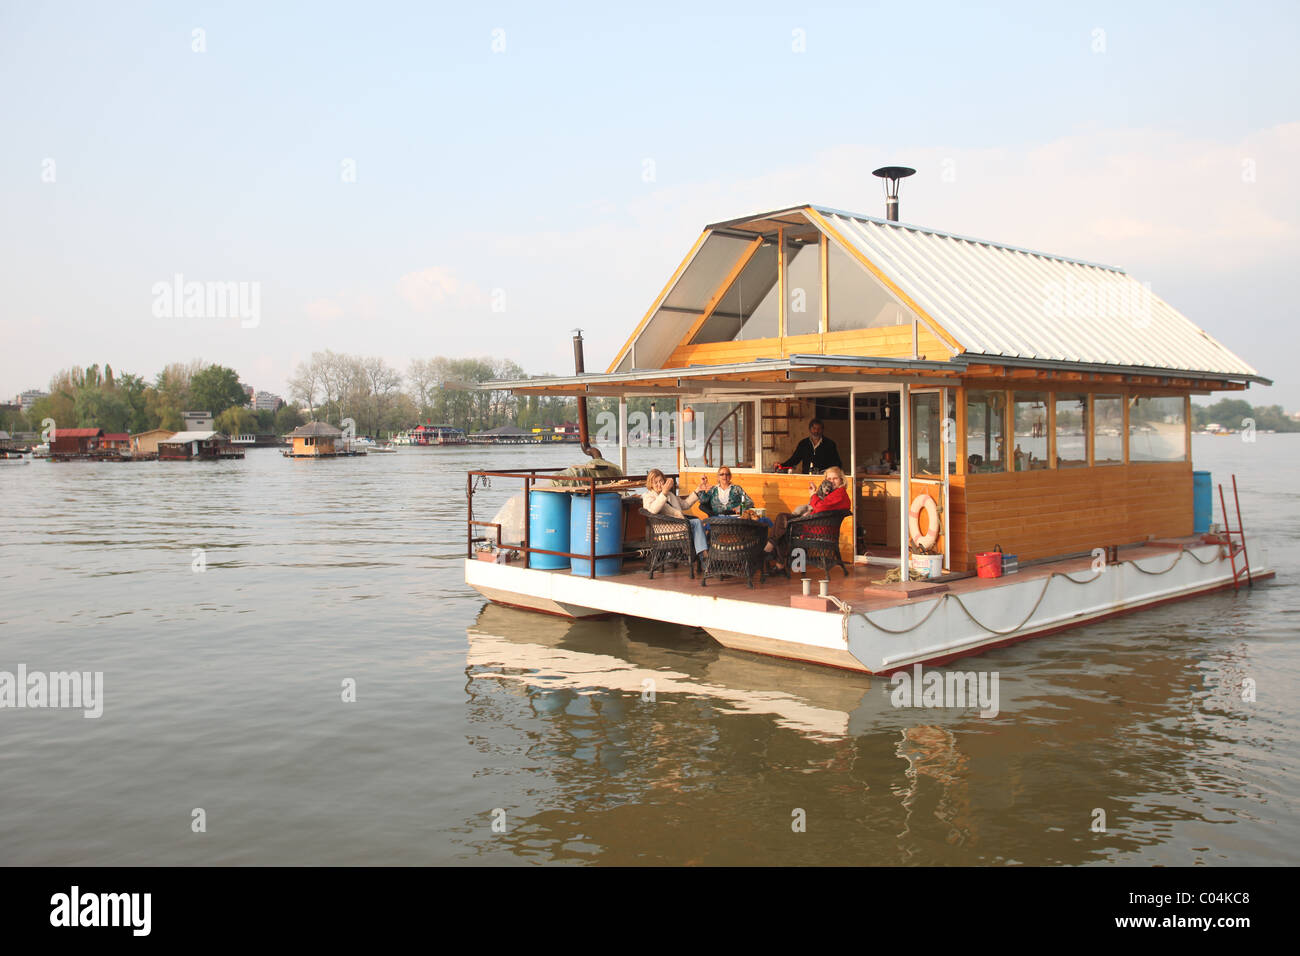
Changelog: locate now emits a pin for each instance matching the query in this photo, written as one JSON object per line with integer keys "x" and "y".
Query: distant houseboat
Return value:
{"x": 197, "y": 446}
{"x": 76, "y": 444}
{"x": 983, "y": 399}
{"x": 437, "y": 435}
{"x": 320, "y": 440}
{"x": 145, "y": 444}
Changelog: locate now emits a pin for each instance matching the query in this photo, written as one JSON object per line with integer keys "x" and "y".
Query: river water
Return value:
{"x": 484, "y": 735}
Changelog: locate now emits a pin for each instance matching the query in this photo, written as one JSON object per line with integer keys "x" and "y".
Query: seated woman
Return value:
{"x": 831, "y": 495}
{"x": 660, "y": 498}
{"x": 724, "y": 498}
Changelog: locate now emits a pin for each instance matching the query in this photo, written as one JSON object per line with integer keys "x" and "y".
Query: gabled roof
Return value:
{"x": 316, "y": 430}
{"x": 985, "y": 300}
{"x": 1000, "y": 300}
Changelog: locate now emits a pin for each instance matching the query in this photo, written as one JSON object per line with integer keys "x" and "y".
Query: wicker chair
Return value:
{"x": 735, "y": 548}
{"x": 668, "y": 541}
{"x": 819, "y": 536}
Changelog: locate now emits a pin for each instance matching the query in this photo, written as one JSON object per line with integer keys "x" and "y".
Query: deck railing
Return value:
{"x": 578, "y": 485}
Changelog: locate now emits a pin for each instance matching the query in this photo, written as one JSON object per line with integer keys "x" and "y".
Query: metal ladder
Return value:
{"x": 1237, "y": 547}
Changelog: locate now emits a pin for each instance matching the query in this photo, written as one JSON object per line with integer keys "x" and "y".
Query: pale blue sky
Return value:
{"x": 522, "y": 170}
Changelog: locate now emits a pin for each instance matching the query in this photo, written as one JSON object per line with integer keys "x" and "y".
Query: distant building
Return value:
{"x": 267, "y": 402}
{"x": 197, "y": 446}
{"x": 315, "y": 440}
{"x": 30, "y": 397}
{"x": 75, "y": 441}
{"x": 119, "y": 441}
{"x": 197, "y": 421}
{"x": 248, "y": 393}
{"x": 146, "y": 443}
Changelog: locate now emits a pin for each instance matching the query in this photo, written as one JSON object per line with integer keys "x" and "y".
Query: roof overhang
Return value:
{"x": 795, "y": 373}
{"x": 811, "y": 373}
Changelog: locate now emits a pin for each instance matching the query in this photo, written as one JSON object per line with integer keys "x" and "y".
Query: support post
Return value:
{"x": 622, "y": 434}
{"x": 904, "y": 475}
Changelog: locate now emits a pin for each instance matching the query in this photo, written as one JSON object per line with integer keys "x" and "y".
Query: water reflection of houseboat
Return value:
{"x": 1033, "y": 403}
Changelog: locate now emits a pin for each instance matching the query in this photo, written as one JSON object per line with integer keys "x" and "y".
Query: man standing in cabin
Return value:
{"x": 815, "y": 453}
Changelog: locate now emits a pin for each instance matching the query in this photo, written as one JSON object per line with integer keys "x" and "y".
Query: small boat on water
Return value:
{"x": 1014, "y": 428}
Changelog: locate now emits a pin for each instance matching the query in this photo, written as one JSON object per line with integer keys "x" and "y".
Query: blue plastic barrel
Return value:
{"x": 609, "y": 533}
{"x": 548, "y": 527}
{"x": 1202, "y": 502}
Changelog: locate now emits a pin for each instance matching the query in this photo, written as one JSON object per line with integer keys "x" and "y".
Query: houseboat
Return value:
{"x": 984, "y": 401}
{"x": 320, "y": 440}
{"x": 197, "y": 446}
{"x": 438, "y": 435}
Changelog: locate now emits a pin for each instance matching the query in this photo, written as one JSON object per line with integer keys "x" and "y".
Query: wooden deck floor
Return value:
{"x": 778, "y": 590}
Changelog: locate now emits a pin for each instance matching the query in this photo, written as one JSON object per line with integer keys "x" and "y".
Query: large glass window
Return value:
{"x": 1071, "y": 429}
{"x": 1157, "y": 428}
{"x": 927, "y": 433}
{"x": 718, "y": 433}
{"x": 985, "y": 431}
{"x": 749, "y": 307}
{"x": 803, "y": 283}
{"x": 1030, "y": 431}
{"x": 856, "y": 300}
{"x": 1107, "y": 430}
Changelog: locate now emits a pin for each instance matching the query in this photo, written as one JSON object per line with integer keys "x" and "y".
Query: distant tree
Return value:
{"x": 215, "y": 389}
{"x": 287, "y": 419}
{"x": 236, "y": 421}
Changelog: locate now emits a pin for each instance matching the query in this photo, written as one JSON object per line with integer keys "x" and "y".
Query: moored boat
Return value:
{"x": 997, "y": 411}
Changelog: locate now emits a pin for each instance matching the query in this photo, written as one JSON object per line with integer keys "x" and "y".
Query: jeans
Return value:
{"x": 699, "y": 540}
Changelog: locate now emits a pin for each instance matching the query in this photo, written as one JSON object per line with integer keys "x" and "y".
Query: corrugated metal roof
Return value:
{"x": 181, "y": 438}
{"x": 77, "y": 433}
{"x": 999, "y": 300}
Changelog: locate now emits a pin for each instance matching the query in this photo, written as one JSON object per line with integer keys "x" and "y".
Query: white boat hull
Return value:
{"x": 929, "y": 630}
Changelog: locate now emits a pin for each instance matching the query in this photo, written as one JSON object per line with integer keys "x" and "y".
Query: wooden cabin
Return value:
{"x": 1042, "y": 403}
{"x": 316, "y": 440}
{"x": 115, "y": 441}
{"x": 197, "y": 446}
{"x": 75, "y": 442}
{"x": 145, "y": 444}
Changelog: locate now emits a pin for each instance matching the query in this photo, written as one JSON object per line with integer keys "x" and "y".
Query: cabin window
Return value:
{"x": 749, "y": 307}
{"x": 855, "y": 299}
{"x": 1108, "y": 430}
{"x": 985, "y": 431}
{"x": 1030, "y": 431}
{"x": 1071, "y": 429}
{"x": 803, "y": 283}
{"x": 929, "y": 434}
{"x": 718, "y": 433}
{"x": 1157, "y": 428}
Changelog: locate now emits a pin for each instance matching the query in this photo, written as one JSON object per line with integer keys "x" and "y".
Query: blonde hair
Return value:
{"x": 654, "y": 477}
{"x": 835, "y": 470}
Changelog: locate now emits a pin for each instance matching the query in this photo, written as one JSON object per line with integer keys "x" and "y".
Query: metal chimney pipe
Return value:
{"x": 891, "y": 176}
{"x": 584, "y": 437}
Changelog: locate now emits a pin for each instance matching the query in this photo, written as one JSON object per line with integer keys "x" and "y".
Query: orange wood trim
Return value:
{"x": 1092, "y": 427}
{"x": 663, "y": 294}
{"x": 961, "y": 433}
{"x": 824, "y": 322}
{"x": 1051, "y": 431}
{"x": 780, "y": 286}
{"x": 718, "y": 293}
{"x": 950, "y": 343}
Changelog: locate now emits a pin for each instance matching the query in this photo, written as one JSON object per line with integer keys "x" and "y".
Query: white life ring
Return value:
{"x": 923, "y": 503}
